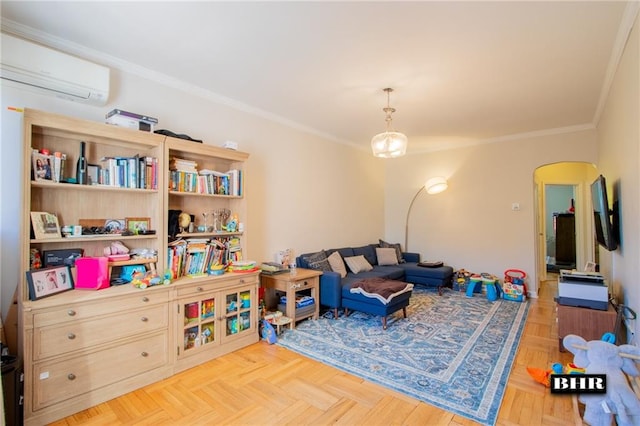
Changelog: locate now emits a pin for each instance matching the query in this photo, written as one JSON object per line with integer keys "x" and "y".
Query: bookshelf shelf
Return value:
{"x": 74, "y": 187}
{"x": 195, "y": 194}
{"x": 93, "y": 238}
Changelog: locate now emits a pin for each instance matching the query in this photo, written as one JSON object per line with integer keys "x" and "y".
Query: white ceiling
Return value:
{"x": 463, "y": 72}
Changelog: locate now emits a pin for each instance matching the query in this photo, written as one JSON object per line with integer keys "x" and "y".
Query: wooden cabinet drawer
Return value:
{"x": 75, "y": 312}
{"x": 77, "y": 335}
{"x": 56, "y": 381}
{"x": 216, "y": 284}
{"x": 304, "y": 284}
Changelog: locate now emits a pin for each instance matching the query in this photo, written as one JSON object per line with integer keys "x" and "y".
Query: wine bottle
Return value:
{"x": 81, "y": 167}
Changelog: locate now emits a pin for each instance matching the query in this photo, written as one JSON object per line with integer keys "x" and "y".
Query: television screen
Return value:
{"x": 602, "y": 215}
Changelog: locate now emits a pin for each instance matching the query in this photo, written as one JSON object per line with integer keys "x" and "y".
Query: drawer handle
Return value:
{"x": 71, "y": 336}
{"x": 144, "y": 319}
{"x": 145, "y": 299}
{"x": 71, "y": 313}
{"x": 242, "y": 281}
{"x": 144, "y": 354}
{"x": 200, "y": 289}
{"x": 71, "y": 376}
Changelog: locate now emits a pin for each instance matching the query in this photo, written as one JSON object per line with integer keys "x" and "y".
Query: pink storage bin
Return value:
{"x": 92, "y": 273}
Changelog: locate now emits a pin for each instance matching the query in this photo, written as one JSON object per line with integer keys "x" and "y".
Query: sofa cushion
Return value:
{"x": 344, "y": 252}
{"x": 318, "y": 261}
{"x": 386, "y": 256}
{"x": 369, "y": 253}
{"x": 358, "y": 264}
{"x": 395, "y": 246}
{"x": 337, "y": 264}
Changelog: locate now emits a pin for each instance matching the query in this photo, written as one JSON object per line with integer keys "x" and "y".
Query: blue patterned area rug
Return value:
{"x": 452, "y": 351}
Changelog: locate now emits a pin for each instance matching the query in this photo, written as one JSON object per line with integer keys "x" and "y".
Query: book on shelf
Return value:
{"x": 129, "y": 172}
{"x": 196, "y": 256}
{"x": 47, "y": 166}
{"x": 182, "y": 164}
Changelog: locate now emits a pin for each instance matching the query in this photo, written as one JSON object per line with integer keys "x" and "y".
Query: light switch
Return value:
{"x": 515, "y": 207}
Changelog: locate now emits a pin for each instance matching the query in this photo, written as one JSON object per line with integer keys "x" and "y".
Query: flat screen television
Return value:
{"x": 606, "y": 234}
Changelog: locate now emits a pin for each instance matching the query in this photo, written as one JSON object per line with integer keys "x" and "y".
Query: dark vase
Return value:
{"x": 81, "y": 167}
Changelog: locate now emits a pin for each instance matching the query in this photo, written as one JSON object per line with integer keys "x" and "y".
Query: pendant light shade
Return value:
{"x": 389, "y": 144}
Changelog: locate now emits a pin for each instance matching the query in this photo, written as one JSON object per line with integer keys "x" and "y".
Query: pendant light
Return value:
{"x": 389, "y": 144}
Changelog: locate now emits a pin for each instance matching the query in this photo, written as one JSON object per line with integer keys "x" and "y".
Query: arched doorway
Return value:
{"x": 563, "y": 201}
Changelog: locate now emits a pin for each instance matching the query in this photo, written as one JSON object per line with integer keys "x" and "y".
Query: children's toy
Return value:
{"x": 490, "y": 282}
{"x": 268, "y": 333}
{"x": 514, "y": 286}
{"x": 148, "y": 278}
{"x": 461, "y": 279}
{"x": 602, "y": 357}
{"x": 544, "y": 376}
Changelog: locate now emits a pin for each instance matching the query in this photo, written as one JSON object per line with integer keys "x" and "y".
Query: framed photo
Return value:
{"x": 93, "y": 174}
{"x": 137, "y": 224}
{"x": 590, "y": 267}
{"x": 41, "y": 166}
{"x": 115, "y": 226}
{"x": 45, "y": 225}
{"x": 49, "y": 281}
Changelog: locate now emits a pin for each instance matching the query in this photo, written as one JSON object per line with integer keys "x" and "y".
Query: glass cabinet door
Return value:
{"x": 238, "y": 318}
{"x": 198, "y": 323}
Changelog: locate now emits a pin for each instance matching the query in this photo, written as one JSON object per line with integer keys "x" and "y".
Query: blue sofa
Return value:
{"x": 335, "y": 290}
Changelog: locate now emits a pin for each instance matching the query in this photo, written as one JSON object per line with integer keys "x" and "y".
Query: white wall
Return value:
{"x": 472, "y": 225}
{"x": 619, "y": 155}
{"x": 302, "y": 192}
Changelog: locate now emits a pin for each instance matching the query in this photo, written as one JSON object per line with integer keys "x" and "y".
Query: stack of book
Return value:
{"x": 184, "y": 175}
{"x": 131, "y": 120}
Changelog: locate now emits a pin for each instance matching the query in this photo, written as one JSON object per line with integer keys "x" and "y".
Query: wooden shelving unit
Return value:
{"x": 74, "y": 344}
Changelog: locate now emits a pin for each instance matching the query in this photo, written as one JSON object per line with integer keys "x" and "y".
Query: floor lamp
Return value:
{"x": 434, "y": 185}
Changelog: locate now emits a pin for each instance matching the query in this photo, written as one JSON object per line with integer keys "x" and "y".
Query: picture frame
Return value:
{"x": 93, "y": 174}
{"x": 590, "y": 267}
{"x": 137, "y": 224}
{"x": 115, "y": 226}
{"x": 42, "y": 167}
{"x": 46, "y": 282}
{"x": 45, "y": 226}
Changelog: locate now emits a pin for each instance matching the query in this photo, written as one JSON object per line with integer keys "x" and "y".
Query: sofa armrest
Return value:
{"x": 411, "y": 257}
{"x": 330, "y": 290}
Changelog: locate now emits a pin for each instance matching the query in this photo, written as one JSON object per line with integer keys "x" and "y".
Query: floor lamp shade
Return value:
{"x": 434, "y": 185}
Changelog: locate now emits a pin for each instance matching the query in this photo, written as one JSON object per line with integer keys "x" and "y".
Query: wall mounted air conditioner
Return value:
{"x": 32, "y": 66}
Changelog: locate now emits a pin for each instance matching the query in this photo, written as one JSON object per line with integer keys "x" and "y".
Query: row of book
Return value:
{"x": 207, "y": 182}
{"x": 197, "y": 256}
{"x": 129, "y": 172}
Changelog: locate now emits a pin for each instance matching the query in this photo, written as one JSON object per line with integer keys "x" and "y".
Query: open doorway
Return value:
{"x": 556, "y": 185}
{"x": 560, "y": 227}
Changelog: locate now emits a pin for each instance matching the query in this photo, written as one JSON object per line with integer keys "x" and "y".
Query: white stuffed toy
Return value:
{"x": 602, "y": 357}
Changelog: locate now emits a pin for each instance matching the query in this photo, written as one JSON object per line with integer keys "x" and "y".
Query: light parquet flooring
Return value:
{"x": 268, "y": 385}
